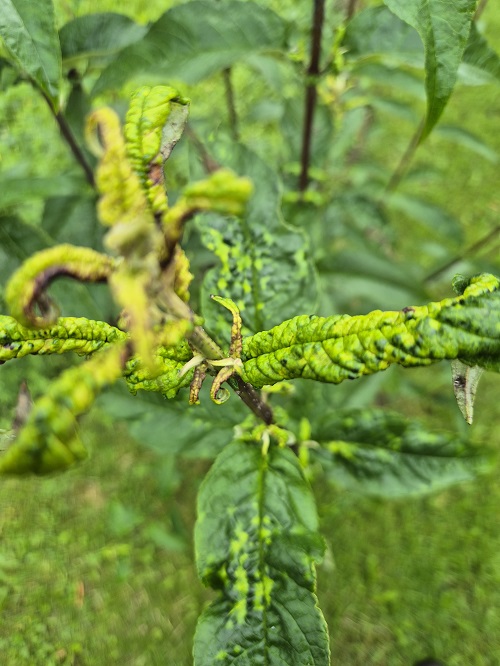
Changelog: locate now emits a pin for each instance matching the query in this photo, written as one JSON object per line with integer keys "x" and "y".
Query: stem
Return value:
{"x": 472, "y": 249}
{"x": 311, "y": 92}
{"x": 209, "y": 163}
{"x": 231, "y": 105}
{"x": 351, "y": 9}
{"x": 405, "y": 160}
{"x": 70, "y": 139}
{"x": 480, "y": 9}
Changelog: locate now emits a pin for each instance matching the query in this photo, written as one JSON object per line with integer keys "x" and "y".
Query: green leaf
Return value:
{"x": 264, "y": 264}
{"x": 98, "y": 35}
{"x": 256, "y": 542}
{"x": 194, "y": 40}
{"x": 380, "y": 453}
{"x": 174, "y": 427}
{"x": 29, "y": 33}
{"x": 17, "y": 189}
{"x": 341, "y": 347}
{"x": 444, "y": 29}
{"x": 479, "y": 55}
{"x": 377, "y": 31}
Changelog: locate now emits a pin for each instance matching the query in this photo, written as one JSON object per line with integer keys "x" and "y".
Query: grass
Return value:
{"x": 96, "y": 566}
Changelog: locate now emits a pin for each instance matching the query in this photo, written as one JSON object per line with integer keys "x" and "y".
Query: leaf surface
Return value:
{"x": 194, "y": 40}
{"x": 444, "y": 29}
{"x": 263, "y": 264}
{"x": 98, "y": 35}
{"x": 256, "y": 542}
{"x": 341, "y": 347}
{"x": 380, "y": 453}
{"x": 29, "y": 33}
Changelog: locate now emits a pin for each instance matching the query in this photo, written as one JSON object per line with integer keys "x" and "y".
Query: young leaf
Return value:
{"x": 381, "y": 453}
{"x": 29, "y": 33}
{"x": 444, "y": 29}
{"x": 341, "y": 347}
{"x": 256, "y": 542}
{"x": 98, "y": 35}
{"x": 265, "y": 266}
{"x": 194, "y": 40}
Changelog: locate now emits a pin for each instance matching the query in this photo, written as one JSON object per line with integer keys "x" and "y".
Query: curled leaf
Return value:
{"x": 26, "y": 287}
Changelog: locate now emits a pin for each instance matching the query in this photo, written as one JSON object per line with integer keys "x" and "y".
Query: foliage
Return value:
{"x": 257, "y": 538}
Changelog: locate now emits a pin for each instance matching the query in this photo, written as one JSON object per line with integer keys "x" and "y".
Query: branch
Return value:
{"x": 311, "y": 92}
{"x": 70, "y": 139}
{"x": 231, "y": 105}
{"x": 472, "y": 249}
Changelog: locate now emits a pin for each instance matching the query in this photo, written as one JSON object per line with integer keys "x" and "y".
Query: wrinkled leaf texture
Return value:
{"x": 256, "y": 542}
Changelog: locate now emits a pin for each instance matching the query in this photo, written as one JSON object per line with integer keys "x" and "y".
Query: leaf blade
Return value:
{"x": 256, "y": 539}
{"x": 29, "y": 33}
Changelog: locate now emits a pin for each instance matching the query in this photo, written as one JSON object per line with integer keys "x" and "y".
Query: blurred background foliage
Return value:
{"x": 96, "y": 565}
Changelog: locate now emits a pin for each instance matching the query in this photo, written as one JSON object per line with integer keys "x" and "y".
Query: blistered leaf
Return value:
{"x": 263, "y": 264}
{"x": 49, "y": 441}
{"x": 77, "y": 334}
{"x": 444, "y": 29}
{"x": 194, "y": 40}
{"x": 29, "y": 33}
{"x": 257, "y": 543}
{"x": 341, "y": 347}
{"x": 381, "y": 453}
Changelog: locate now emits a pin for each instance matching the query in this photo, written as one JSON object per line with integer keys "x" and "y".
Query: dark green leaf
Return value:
{"x": 444, "y": 29}
{"x": 98, "y": 35}
{"x": 377, "y": 31}
{"x": 264, "y": 264}
{"x": 194, "y": 40}
{"x": 256, "y": 542}
{"x": 381, "y": 453}
{"x": 17, "y": 189}
{"x": 174, "y": 427}
{"x": 29, "y": 33}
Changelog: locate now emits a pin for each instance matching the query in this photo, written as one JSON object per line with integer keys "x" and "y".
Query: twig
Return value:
{"x": 70, "y": 139}
{"x": 311, "y": 92}
{"x": 472, "y": 249}
{"x": 480, "y": 9}
{"x": 209, "y": 163}
{"x": 351, "y": 9}
{"x": 231, "y": 105}
{"x": 405, "y": 160}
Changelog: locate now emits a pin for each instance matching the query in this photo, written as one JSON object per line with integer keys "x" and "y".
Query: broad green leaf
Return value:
{"x": 192, "y": 41}
{"x": 257, "y": 542}
{"x": 444, "y": 29}
{"x": 341, "y": 347}
{"x": 377, "y": 31}
{"x": 29, "y": 33}
{"x": 98, "y": 35}
{"x": 479, "y": 55}
{"x": 380, "y": 453}
{"x": 17, "y": 189}
{"x": 263, "y": 264}
{"x": 173, "y": 427}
